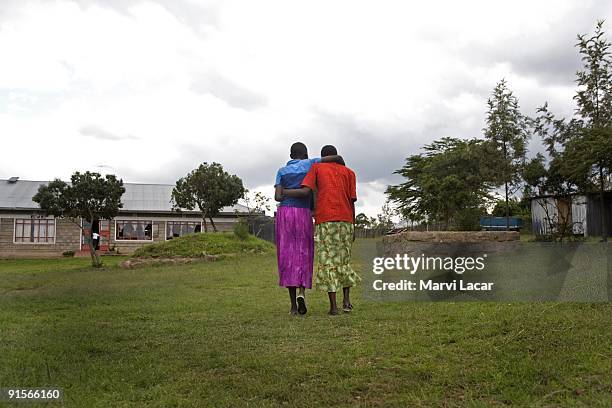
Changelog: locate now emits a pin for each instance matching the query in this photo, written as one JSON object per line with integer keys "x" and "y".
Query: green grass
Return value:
{"x": 218, "y": 334}
{"x": 531, "y": 237}
{"x": 197, "y": 245}
{"x": 527, "y": 237}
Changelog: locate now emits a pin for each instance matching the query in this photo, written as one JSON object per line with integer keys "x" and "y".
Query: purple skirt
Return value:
{"x": 294, "y": 246}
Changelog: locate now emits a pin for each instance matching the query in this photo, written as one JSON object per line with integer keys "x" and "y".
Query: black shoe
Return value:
{"x": 301, "y": 305}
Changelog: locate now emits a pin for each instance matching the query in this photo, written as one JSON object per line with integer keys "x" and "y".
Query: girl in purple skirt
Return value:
{"x": 294, "y": 228}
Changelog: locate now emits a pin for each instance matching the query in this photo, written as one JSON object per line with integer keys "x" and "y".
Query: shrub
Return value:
{"x": 241, "y": 229}
{"x": 544, "y": 238}
{"x": 467, "y": 219}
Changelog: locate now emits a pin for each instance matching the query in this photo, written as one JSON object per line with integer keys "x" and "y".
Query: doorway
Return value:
{"x": 100, "y": 227}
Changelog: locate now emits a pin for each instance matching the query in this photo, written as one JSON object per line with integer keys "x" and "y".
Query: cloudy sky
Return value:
{"x": 148, "y": 90}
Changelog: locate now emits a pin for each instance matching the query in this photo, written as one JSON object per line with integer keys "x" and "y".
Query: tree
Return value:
{"x": 517, "y": 208}
{"x": 589, "y": 152}
{"x": 581, "y": 149}
{"x": 89, "y": 196}
{"x": 534, "y": 174}
{"x": 551, "y": 176}
{"x": 384, "y": 220}
{"x": 209, "y": 188}
{"x": 506, "y": 128}
{"x": 256, "y": 202}
{"x": 363, "y": 222}
{"x": 545, "y": 177}
{"x": 449, "y": 183}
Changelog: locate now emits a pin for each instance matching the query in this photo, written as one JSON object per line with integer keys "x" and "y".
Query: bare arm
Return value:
{"x": 333, "y": 159}
{"x": 296, "y": 192}
{"x": 278, "y": 193}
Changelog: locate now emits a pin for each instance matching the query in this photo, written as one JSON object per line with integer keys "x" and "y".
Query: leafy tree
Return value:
{"x": 542, "y": 179}
{"x": 256, "y": 202}
{"x": 380, "y": 224}
{"x": 362, "y": 221}
{"x": 535, "y": 176}
{"x": 209, "y": 188}
{"x": 507, "y": 128}
{"x": 544, "y": 176}
{"x": 589, "y": 152}
{"x": 89, "y": 196}
{"x": 384, "y": 220}
{"x": 449, "y": 182}
{"x": 518, "y": 208}
{"x": 594, "y": 95}
{"x": 467, "y": 219}
{"x": 581, "y": 148}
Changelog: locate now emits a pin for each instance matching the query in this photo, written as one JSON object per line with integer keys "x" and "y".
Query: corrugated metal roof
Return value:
{"x": 137, "y": 197}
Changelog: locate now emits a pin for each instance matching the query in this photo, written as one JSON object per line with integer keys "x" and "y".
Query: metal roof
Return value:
{"x": 152, "y": 198}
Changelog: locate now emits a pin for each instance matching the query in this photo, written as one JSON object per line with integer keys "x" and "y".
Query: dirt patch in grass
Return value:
{"x": 177, "y": 260}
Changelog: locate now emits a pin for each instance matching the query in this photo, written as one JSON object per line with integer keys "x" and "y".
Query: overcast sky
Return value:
{"x": 148, "y": 90}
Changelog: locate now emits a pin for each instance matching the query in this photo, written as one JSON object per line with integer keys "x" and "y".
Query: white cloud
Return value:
{"x": 159, "y": 86}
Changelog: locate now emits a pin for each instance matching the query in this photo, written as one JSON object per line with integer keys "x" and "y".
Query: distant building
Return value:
{"x": 146, "y": 217}
{"x": 580, "y": 212}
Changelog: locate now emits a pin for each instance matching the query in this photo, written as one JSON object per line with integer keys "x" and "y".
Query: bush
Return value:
{"x": 559, "y": 238}
{"x": 517, "y": 208}
{"x": 468, "y": 219}
{"x": 241, "y": 229}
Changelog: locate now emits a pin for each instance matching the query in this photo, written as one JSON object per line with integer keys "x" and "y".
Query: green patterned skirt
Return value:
{"x": 333, "y": 241}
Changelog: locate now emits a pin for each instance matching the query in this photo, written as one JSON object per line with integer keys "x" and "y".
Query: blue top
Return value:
{"x": 291, "y": 176}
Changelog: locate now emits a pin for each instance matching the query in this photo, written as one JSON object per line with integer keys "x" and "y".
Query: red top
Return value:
{"x": 335, "y": 185}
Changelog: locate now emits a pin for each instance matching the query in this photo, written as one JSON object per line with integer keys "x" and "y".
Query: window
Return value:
{"x": 176, "y": 229}
{"x": 35, "y": 231}
{"x": 134, "y": 230}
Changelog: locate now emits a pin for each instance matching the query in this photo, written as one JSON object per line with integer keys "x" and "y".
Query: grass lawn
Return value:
{"x": 218, "y": 334}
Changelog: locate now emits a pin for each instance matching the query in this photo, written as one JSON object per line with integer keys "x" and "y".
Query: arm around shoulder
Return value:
{"x": 278, "y": 193}
{"x": 333, "y": 159}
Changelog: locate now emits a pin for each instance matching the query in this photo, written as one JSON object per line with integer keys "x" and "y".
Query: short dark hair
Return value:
{"x": 328, "y": 150}
{"x": 298, "y": 151}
